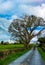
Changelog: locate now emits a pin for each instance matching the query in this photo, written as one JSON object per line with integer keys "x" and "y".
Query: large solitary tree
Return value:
{"x": 23, "y": 29}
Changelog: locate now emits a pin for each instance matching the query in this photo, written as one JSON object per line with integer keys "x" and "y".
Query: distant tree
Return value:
{"x": 2, "y": 42}
{"x": 23, "y": 28}
{"x": 6, "y": 43}
{"x": 41, "y": 40}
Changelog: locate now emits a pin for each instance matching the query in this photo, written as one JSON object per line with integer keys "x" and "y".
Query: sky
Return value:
{"x": 12, "y": 9}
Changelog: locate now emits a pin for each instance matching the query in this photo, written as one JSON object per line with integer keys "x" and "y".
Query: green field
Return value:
{"x": 42, "y": 53}
{"x": 11, "y": 46}
{"x": 15, "y": 55}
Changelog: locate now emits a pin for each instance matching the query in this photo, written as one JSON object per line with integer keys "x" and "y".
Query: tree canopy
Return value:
{"x": 24, "y": 28}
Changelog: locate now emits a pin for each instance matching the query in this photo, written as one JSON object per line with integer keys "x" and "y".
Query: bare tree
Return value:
{"x": 23, "y": 28}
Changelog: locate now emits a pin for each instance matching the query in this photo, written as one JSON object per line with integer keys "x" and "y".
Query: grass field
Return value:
{"x": 42, "y": 53}
{"x": 11, "y": 46}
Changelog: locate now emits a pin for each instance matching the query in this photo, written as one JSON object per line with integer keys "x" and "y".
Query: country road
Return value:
{"x": 36, "y": 59}
{"x": 32, "y": 57}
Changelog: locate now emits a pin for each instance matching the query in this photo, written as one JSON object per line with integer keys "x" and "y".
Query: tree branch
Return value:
{"x": 38, "y": 32}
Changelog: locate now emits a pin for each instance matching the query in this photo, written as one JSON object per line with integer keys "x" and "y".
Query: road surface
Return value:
{"x": 19, "y": 60}
{"x": 32, "y": 57}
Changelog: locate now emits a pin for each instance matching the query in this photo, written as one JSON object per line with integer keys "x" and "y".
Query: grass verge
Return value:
{"x": 12, "y": 57}
{"x": 42, "y": 53}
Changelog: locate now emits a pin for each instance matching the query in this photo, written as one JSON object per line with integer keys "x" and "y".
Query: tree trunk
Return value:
{"x": 26, "y": 46}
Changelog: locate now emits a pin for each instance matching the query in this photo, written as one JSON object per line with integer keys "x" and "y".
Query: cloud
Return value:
{"x": 43, "y": 33}
{"x": 29, "y": 1}
{"x": 34, "y": 39}
{"x": 4, "y": 24}
{"x": 11, "y": 41}
{"x": 4, "y": 34}
{"x": 14, "y": 17}
{"x": 6, "y": 6}
{"x": 11, "y": 6}
{"x": 34, "y": 10}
